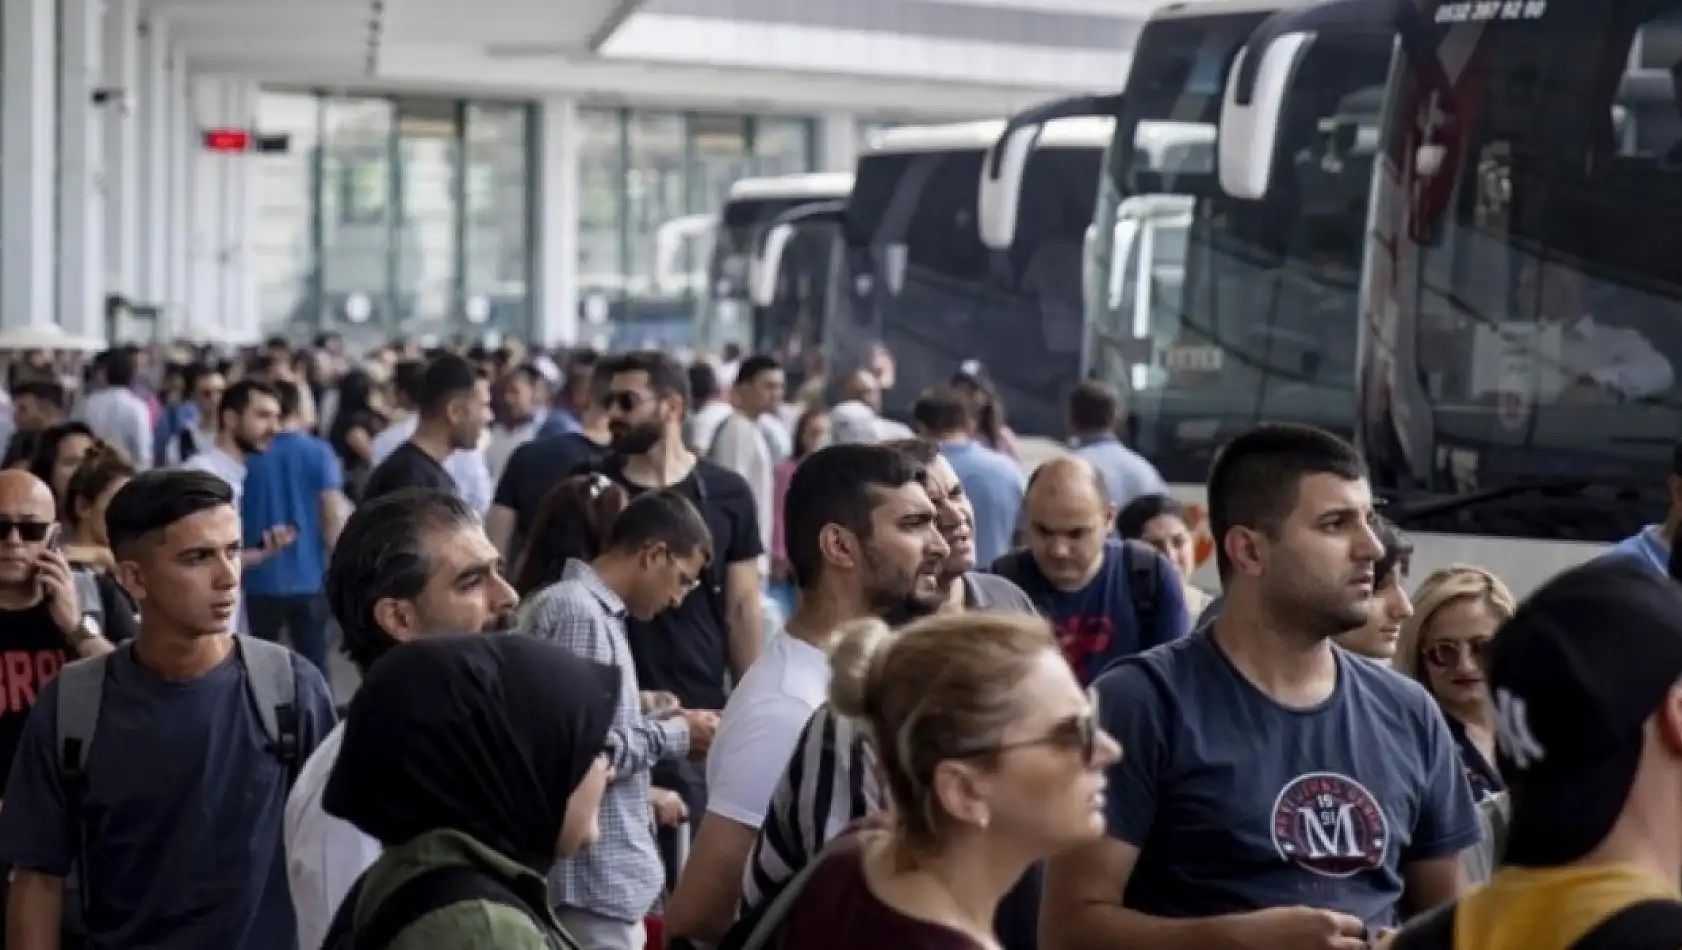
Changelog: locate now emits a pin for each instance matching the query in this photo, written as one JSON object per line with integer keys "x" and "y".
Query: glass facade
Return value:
{"x": 396, "y": 216}
{"x": 652, "y": 183}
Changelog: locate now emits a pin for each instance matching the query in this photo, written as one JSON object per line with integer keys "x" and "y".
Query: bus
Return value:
{"x": 916, "y": 275}
{"x": 725, "y": 314}
{"x": 1521, "y": 309}
{"x": 791, "y": 287}
{"x": 1206, "y": 313}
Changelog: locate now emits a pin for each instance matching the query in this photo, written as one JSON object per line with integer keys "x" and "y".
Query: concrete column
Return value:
{"x": 28, "y": 84}
{"x": 555, "y": 243}
{"x": 838, "y": 141}
{"x": 183, "y": 146}
{"x": 81, "y": 171}
{"x": 152, "y": 117}
{"x": 122, "y": 72}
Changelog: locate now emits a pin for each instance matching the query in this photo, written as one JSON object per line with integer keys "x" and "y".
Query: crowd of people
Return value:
{"x": 651, "y": 656}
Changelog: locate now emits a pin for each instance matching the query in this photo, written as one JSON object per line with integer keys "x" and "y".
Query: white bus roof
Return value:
{"x": 1084, "y": 132}
{"x": 816, "y": 186}
{"x": 1190, "y": 9}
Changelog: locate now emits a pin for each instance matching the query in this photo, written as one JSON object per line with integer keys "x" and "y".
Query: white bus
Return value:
{"x": 726, "y": 314}
{"x": 1211, "y": 314}
{"x": 1521, "y": 303}
{"x": 917, "y": 275}
{"x": 791, "y": 283}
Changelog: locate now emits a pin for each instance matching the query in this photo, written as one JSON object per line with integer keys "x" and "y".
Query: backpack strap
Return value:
{"x": 767, "y": 928}
{"x": 421, "y": 895}
{"x": 1144, "y": 582}
{"x": 1432, "y": 930}
{"x": 273, "y": 685}
{"x": 81, "y": 692}
{"x": 1651, "y": 923}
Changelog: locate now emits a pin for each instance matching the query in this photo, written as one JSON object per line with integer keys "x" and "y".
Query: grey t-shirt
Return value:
{"x": 1237, "y": 803}
{"x": 183, "y": 809}
{"x": 995, "y": 594}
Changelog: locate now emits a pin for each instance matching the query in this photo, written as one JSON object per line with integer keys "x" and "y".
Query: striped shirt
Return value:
{"x": 831, "y": 779}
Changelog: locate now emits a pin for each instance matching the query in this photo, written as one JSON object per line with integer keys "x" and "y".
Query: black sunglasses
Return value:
{"x": 625, "y": 400}
{"x": 28, "y": 531}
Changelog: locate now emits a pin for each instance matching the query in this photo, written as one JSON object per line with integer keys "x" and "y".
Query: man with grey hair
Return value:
{"x": 410, "y": 564}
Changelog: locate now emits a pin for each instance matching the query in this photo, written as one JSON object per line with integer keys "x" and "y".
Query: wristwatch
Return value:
{"x": 86, "y": 629}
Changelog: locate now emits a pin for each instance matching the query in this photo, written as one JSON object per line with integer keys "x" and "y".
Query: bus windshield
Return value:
{"x": 726, "y": 312}
{"x": 1525, "y": 309}
{"x": 792, "y": 327}
{"x": 918, "y": 278}
{"x": 1258, "y": 322}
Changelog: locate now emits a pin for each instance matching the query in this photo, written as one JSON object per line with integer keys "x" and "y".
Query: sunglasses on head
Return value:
{"x": 1446, "y": 654}
{"x": 30, "y": 532}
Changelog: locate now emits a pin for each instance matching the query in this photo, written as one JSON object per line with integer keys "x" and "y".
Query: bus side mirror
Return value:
{"x": 762, "y": 276}
{"x": 1251, "y": 113}
{"x": 1000, "y": 192}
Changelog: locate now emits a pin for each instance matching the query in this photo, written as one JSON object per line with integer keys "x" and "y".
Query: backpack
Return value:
{"x": 271, "y": 683}
{"x": 415, "y": 898}
{"x": 1144, "y": 578}
{"x": 1644, "y": 924}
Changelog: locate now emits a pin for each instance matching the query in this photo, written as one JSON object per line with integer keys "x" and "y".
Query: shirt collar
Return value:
{"x": 585, "y": 574}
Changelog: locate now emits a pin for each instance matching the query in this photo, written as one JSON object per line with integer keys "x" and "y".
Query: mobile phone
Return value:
{"x": 55, "y": 539}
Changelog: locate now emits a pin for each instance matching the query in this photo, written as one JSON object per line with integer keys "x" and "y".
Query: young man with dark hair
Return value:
{"x": 863, "y": 541}
{"x": 37, "y": 404}
{"x": 247, "y": 419}
{"x": 466, "y": 467}
{"x": 115, "y": 412}
{"x": 1094, "y": 416}
{"x": 653, "y": 556}
{"x": 204, "y": 386}
{"x": 992, "y": 480}
{"x": 454, "y": 408}
{"x": 172, "y": 815}
{"x": 740, "y": 444}
{"x": 412, "y": 564}
{"x": 1277, "y": 791}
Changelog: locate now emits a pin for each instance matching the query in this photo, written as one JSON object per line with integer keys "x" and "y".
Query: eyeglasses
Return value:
{"x": 30, "y": 532}
{"x": 1079, "y": 733}
{"x": 685, "y": 583}
{"x": 1446, "y": 654}
{"x": 625, "y": 400}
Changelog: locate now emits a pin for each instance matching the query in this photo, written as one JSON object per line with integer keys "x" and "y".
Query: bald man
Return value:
{"x": 1107, "y": 598}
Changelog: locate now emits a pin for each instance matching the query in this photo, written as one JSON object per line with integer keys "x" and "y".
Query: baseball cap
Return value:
{"x": 1575, "y": 674}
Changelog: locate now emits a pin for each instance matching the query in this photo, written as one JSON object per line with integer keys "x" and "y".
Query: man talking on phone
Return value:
{"x": 47, "y": 615}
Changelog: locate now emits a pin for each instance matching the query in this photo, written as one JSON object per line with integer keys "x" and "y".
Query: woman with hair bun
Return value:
{"x": 992, "y": 760}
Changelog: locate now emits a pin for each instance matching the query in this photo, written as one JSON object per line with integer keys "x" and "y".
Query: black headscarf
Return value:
{"x": 486, "y": 735}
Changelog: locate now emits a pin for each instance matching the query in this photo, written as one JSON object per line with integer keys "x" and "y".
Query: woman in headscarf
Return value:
{"x": 475, "y": 762}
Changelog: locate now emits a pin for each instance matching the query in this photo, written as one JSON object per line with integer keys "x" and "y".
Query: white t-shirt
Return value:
{"x": 324, "y": 855}
{"x": 760, "y": 727}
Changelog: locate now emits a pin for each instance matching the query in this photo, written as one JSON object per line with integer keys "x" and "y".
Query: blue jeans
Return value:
{"x": 303, "y": 617}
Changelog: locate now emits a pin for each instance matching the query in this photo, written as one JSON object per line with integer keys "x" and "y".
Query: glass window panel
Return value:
{"x": 283, "y": 251}
{"x": 498, "y": 196}
{"x": 782, "y": 146}
{"x": 601, "y": 179}
{"x": 357, "y": 220}
{"x": 721, "y": 157}
{"x": 428, "y": 148}
{"x": 654, "y": 190}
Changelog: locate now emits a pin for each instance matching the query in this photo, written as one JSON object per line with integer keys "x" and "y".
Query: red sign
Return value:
{"x": 227, "y": 140}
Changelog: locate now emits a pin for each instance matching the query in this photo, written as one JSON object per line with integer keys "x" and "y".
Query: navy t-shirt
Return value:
{"x": 1237, "y": 803}
{"x": 1099, "y": 623}
{"x": 183, "y": 809}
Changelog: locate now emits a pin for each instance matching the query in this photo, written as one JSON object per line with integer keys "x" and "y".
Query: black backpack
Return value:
{"x": 1144, "y": 578}
{"x": 415, "y": 898}
{"x": 1655, "y": 924}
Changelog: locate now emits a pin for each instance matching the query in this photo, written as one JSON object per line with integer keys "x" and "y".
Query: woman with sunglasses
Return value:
{"x": 1456, "y": 613}
{"x": 989, "y": 752}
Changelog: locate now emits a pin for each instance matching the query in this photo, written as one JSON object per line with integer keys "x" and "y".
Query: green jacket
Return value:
{"x": 470, "y": 923}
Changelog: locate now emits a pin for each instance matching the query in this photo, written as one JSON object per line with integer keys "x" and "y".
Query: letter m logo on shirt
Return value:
{"x": 1512, "y": 730}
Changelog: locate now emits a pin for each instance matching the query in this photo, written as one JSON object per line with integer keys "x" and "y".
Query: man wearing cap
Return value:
{"x": 1587, "y": 682}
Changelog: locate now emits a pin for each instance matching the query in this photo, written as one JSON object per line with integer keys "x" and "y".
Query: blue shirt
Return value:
{"x": 1125, "y": 472}
{"x": 994, "y": 484}
{"x": 1238, "y": 803}
{"x": 1100, "y": 623}
{"x": 183, "y": 809}
{"x": 1645, "y": 546}
{"x": 283, "y": 486}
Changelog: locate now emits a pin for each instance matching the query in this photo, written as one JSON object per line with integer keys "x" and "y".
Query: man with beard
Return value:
{"x": 1277, "y": 792}
{"x": 862, "y": 542}
{"x": 412, "y": 564}
{"x": 455, "y": 407}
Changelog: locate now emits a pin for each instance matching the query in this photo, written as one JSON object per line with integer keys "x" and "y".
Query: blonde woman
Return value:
{"x": 1457, "y": 611}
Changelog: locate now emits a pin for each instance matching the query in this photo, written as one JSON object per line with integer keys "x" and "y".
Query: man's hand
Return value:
{"x": 669, "y": 809}
{"x": 703, "y": 725}
{"x": 58, "y": 586}
{"x": 1301, "y": 928}
{"x": 276, "y": 539}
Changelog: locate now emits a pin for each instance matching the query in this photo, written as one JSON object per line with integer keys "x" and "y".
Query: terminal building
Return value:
{"x": 225, "y": 170}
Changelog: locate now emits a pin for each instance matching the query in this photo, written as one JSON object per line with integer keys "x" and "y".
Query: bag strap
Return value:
{"x": 1144, "y": 582}
{"x": 1432, "y": 930}
{"x": 272, "y": 683}
{"x": 81, "y": 692}
{"x": 1650, "y": 923}
{"x": 767, "y": 930}
{"x": 429, "y": 891}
